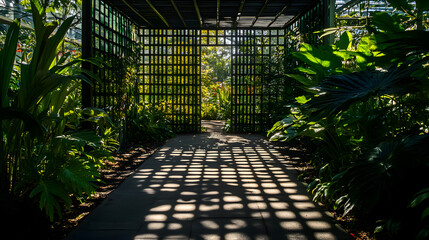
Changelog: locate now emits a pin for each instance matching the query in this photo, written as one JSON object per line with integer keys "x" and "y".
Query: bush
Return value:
{"x": 365, "y": 106}
{"x": 45, "y": 153}
{"x": 216, "y": 103}
{"x": 147, "y": 123}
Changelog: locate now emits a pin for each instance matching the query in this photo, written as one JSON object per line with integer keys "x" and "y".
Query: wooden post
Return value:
{"x": 329, "y": 19}
{"x": 87, "y": 95}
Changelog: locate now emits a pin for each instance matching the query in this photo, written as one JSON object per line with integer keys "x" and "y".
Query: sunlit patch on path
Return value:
{"x": 211, "y": 186}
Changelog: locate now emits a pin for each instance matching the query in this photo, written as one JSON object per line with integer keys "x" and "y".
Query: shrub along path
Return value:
{"x": 211, "y": 186}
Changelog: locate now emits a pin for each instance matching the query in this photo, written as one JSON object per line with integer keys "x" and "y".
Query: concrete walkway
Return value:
{"x": 210, "y": 186}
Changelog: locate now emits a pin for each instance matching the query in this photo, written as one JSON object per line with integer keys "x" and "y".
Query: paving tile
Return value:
{"x": 164, "y": 230}
{"x": 102, "y": 234}
{"x": 228, "y": 228}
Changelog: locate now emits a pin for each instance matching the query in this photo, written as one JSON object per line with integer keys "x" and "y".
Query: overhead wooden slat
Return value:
{"x": 157, "y": 13}
{"x": 217, "y": 13}
{"x": 259, "y": 13}
{"x": 211, "y": 14}
{"x": 279, "y": 14}
{"x": 136, "y": 12}
{"x": 178, "y": 13}
{"x": 240, "y": 10}
{"x": 197, "y": 9}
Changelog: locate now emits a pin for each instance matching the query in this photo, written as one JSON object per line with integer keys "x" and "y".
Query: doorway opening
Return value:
{"x": 215, "y": 84}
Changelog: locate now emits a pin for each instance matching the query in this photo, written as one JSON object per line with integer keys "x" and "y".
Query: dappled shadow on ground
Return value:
{"x": 212, "y": 125}
{"x": 211, "y": 186}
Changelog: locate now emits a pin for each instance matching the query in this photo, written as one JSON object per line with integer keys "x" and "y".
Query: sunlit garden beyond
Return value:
{"x": 214, "y": 119}
{"x": 216, "y": 83}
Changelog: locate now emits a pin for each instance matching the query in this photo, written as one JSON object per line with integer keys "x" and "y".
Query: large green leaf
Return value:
{"x": 31, "y": 124}
{"x": 36, "y": 79}
{"x": 81, "y": 139}
{"x": 345, "y": 41}
{"x": 303, "y": 79}
{"x": 421, "y": 196}
{"x": 388, "y": 175}
{"x": 53, "y": 42}
{"x": 338, "y": 92}
{"x": 79, "y": 177}
{"x": 51, "y": 194}
{"x": 407, "y": 42}
{"x": 7, "y": 60}
{"x": 387, "y": 22}
{"x": 320, "y": 59}
{"x": 422, "y": 5}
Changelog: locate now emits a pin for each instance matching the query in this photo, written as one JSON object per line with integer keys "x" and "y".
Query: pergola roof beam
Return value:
{"x": 240, "y": 10}
{"x": 259, "y": 13}
{"x": 347, "y": 5}
{"x": 157, "y": 13}
{"x": 197, "y": 9}
{"x": 279, "y": 14}
{"x": 178, "y": 13}
{"x": 213, "y": 14}
{"x": 217, "y": 13}
{"x": 297, "y": 16}
{"x": 138, "y": 14}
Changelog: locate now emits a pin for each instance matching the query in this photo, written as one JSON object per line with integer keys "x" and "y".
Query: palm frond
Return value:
{"x": 338, "y": 92}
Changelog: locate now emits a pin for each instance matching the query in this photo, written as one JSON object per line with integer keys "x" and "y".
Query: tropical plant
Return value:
{"x": 215, "y": 79}
{"x": 45, "y": 153}
{"x": 216, "y": 102}
{"x": 365, "y": 109}
{"x": 421, "y": 202}
{"x": 384, "y": 182}
{"x": 147, "y": 123}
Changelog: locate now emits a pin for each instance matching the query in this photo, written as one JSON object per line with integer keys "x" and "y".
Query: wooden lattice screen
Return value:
{"x": 168, "y": 63}
{"x": 307, "y": 24}
{"x": 246, "y": 82}
{"x": 170, "y": 75}
{"x": 252, "y": 95}
{"x": 113, "y": 40}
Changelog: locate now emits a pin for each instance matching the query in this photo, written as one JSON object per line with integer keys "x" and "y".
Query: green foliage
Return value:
{"x": 215, "y": 77}
{"x": 364, "y": 116}
{"x": 7, "y": 59}
{"x": 323, "y": 61}
{"x": 45, "y": 154}
{"x": 336, "y": 93}
{"x": 147, "y": 123}
{"x": 216, "y": 103}
{"x": 421, "y": 201}
{"x": 395, "y": 166}
{"x": 69, "y": 163}
{"x": 390, "y": 174}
